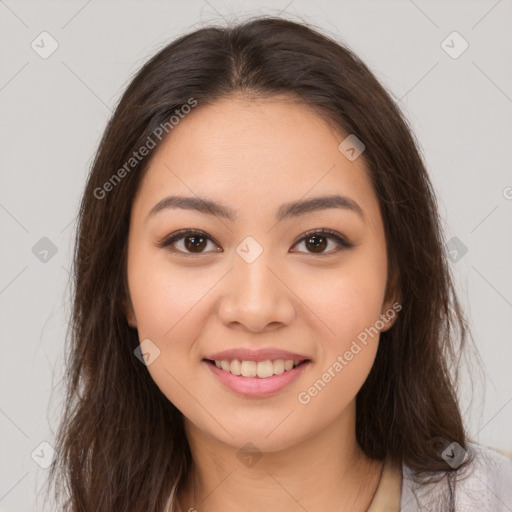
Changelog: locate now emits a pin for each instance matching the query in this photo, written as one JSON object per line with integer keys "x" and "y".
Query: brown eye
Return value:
{"x": 195, "y": 243}
{"x": 188, "y": 242}
{"x": 316, "y": 242}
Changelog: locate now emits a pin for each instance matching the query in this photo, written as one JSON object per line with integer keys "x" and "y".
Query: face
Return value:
{"x": 257, "y": 278}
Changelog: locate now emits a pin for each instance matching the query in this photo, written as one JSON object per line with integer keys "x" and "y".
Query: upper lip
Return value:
{"x": 264, "y": 354}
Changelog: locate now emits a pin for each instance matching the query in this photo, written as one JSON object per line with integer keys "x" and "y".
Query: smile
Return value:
{"x": 261, "y": 369}
{"x": 256, "y": 379}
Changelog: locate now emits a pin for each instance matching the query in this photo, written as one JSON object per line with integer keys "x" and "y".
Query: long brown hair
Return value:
{"x": 121, "y": 443}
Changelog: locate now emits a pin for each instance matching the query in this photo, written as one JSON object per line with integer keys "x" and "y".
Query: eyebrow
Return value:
{"x": 285, "y": 211}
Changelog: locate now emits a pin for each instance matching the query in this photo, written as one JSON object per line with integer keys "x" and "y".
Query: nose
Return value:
{"x": 256, "y": 297}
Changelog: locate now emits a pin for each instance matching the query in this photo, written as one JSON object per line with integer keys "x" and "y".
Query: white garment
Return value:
{"x": 485, "y": 486}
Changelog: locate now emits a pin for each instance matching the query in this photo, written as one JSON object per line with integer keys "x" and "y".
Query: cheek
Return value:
{"x": 348, "y": 301}
{"x": 170, "y": 307}
{"x": 165, "y": 297}
{"x": 348, "y": 305}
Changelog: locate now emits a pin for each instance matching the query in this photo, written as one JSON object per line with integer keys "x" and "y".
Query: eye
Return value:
{"x": 194, "y": 242}
{"x": 316, "y": 241}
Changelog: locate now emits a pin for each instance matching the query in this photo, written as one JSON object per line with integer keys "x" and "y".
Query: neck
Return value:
{"x": 327, "y": 471}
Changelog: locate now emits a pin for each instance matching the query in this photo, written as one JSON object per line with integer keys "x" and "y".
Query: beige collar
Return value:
{"x": 388, "y": 494}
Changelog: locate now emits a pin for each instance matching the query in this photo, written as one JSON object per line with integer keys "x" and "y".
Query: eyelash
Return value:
{"x": 184, "y": 233}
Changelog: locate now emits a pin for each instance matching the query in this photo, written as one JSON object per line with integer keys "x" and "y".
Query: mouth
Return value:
{"x": 256, "y": 379}
{"x": 257, "y": 369}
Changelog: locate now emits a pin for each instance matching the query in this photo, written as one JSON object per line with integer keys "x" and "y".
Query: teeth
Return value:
{"x": 236, "y": 367}
{"x": 262, "y": 369}
{"x": 248, "y": 368}
{"x": 278, "y": 366}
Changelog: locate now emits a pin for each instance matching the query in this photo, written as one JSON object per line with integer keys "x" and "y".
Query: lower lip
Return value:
{"x": 256, "y": 386}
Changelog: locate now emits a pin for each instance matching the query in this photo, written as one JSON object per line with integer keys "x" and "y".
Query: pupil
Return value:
{"x": 318, "y": 246}
{"x": 193, "y": 245}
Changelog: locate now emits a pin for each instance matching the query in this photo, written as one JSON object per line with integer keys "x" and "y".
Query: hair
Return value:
{"x": 121, "y": 442}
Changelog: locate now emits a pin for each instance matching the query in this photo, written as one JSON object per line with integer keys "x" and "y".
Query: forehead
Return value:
{"x": 254, "y": 154}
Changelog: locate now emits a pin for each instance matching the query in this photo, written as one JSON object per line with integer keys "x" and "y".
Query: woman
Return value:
{"x": 264, "y": 316}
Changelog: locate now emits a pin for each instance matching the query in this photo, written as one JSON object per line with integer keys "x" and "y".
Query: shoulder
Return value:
{"x": 484, "y": 485}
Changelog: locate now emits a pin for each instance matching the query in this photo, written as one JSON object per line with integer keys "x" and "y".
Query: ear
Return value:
{"x": 130, "y": 313}
{"x": 392, "y": 305}
{"x": 389, "y": 314}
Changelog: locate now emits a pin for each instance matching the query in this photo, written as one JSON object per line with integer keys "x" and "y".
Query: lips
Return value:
{"x": 257, "y": 386}
{"x": 255, "y": 355}
{"x": 262, "y": 369}
{"x": 256, "y": 373}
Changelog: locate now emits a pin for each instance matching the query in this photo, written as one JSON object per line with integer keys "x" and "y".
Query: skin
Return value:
{"x": 253, "y": 155}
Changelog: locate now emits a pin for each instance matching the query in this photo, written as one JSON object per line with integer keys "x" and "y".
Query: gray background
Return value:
{"x": 55, "y": 109}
